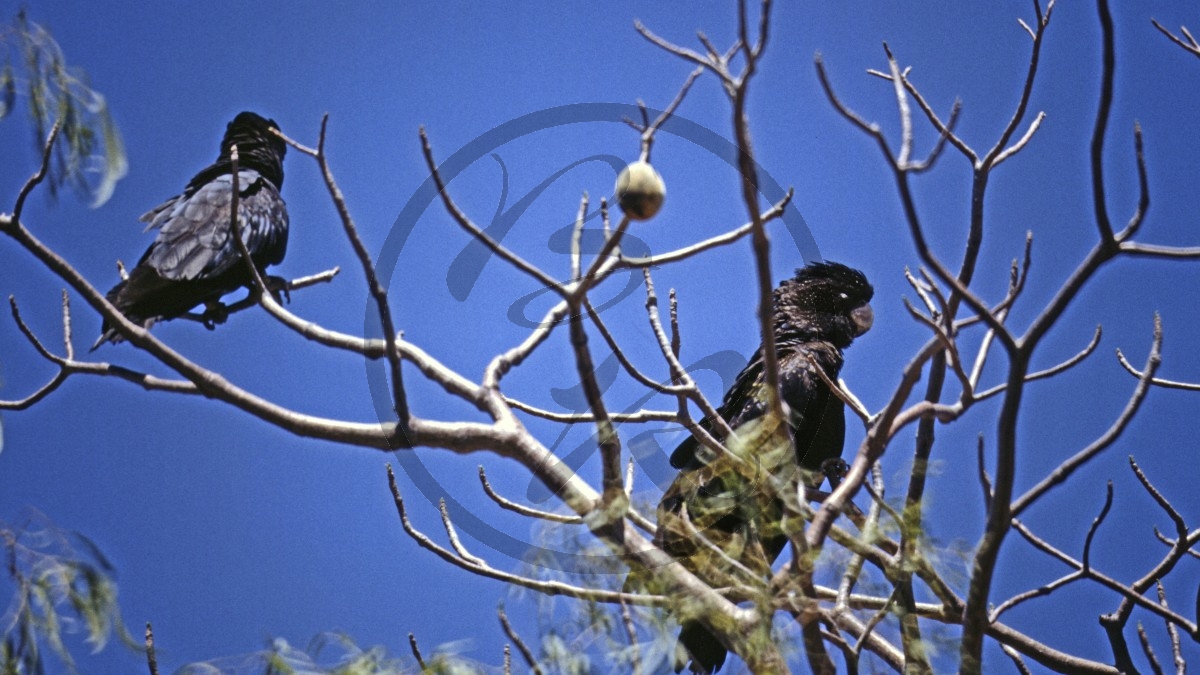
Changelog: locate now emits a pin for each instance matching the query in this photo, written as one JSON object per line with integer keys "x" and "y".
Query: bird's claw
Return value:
{"x": 835, "y": 469}
{"x": 279, "y": 288}
{"x": 215, "y": 313}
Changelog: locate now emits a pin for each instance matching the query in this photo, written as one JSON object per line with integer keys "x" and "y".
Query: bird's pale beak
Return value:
{"x": 863, "y": 317}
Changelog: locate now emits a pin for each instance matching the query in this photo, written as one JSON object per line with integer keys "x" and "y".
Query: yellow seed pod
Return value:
{"x": 640, "y": 191}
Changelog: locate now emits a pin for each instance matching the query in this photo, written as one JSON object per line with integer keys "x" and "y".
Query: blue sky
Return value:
{"x": 227, "y": 532}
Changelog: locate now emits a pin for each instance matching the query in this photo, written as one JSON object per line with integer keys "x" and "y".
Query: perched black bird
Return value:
{"x": 194, "y": 258}
{"x": 816, "y": 314}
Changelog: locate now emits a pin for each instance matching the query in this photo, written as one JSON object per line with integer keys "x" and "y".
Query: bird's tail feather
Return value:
{"x": 108, "y": 335}
{"x": 697, "y": 645}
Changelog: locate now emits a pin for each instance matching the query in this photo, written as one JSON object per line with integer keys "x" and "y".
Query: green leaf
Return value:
{"x": 89, "y": 155}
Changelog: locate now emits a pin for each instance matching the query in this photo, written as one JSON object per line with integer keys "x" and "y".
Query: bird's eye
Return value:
{"x": 842, "y": 296}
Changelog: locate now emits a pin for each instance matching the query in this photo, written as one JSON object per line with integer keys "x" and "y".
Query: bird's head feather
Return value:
{"x": 258, "y": 147}
{"x": 825, "y": 301}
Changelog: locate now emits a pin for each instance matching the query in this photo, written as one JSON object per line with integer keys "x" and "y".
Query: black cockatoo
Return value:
{"x": 817, "y": 313}
{"x": 194, "y": 258}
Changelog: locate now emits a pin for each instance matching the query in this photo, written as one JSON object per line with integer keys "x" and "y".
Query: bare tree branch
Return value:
{"x": 39, "y": 175}
{"x": 1172, "y": 632}
{"x": 258, "y": 287}
{"x": 522, "y": 509}
{"x": 624, "y": 359}
{"x": 1158, "y": 382}
{"x": 526, "y": 653}
{"x": 1155, "y": 666}
{"x": 1180, "y": 526}
{"x": 1068, "y": 467}
{"x": 478, "y": 566}
{"x": 1127, "y": 592}
{"x": 635, "y": 663}
{"x": 1012, "y": 653}
{"x": 680, "y": 374}
{"x": 151, "y": 657}
{"x": 1191, "y": 46}
{"x": 1051, "y": 371}
{"x": 475, "y": 231}
{"x": 1091, "y": 533}
{"x": 720, "y": 240}
{"x": 649, "y": 130}
{"x": 416, "y": 652}
{"x": 606, "y": 434}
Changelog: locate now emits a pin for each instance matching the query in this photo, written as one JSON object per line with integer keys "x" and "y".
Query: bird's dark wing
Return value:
{"x": 194, "y": 259}
{"x": 815, "y": 415}
{"x": 194, "y": 231}
{"x": 743, "y": 402}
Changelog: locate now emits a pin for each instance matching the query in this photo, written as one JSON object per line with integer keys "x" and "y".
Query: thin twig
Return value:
{"x": 635, "y": 659}
{"x": 681, "y": 52}
{"x": 1053, "y": 370}
{"x": 452, "y": 535}
{"x": 276, "y": 310}
{"x": 151, "y": 656}
{"x": 39, "y": 175}
{"x": 874, "y": 621}
{"x": 1020, "y": 145}
{"x": 950, "y": 345}
{"x": 1191, "y": 46}
{"x": 1127, "y": 592}
{"x": 475, "y": 231}
{"x": 258, "y": 286}
{"x": 1192, "y": 539}
{"x": 844, "y": 395}
{"x": 639, "y": 417}
{"x": 522, "y": 509}
{"x": 713, "y": 242}
{"x": 629, "y": 473}
{"x": 526, "y": 653}
{"x": 1155, "y": 666}
{"x": 1014, "y": 654}
{"x": 416, "y": 652}
{"x": 1172, "y": 633}
{"x": 1181, "y": 529}
{"x": 985, "y": 481}
{"x": 679, "y": 374}
{"x": 1099, "y": 131}
{"x": 649, "y": 130}
{"x": 633, "y": 371}
{"x": 1091, "y": 533}
{"x": 1156, "y": 251}
{"x": 378, "y": 293}
{"x": 477, "y": 566}
{"x": 673, "y": 305}
{"x": 577, "y": 236}
{"x": 313, "y": 279}
{"x": 1158, "y": 382}
{"x": 1068, "y": 467}
{"x": 1143, "y": 204}
{"x": 311, "y": 152}
{"x": 1039, "y": 592}
{"x": 923, "y": 291}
